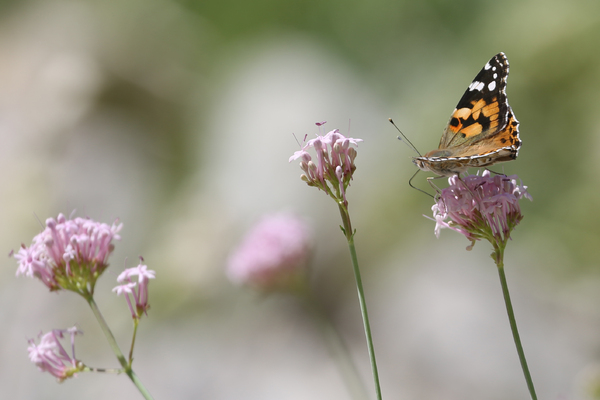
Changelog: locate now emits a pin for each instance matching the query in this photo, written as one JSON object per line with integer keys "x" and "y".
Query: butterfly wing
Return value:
{"x": 483, "y": 110}
{"x": 482, "y": 130}
{"x": 500, "y": 147}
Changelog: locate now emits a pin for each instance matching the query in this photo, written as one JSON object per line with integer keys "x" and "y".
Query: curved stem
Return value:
{"x": 115, "y": 348}
{"x": 513, "y": 322}
{"x": 361, "y": 296}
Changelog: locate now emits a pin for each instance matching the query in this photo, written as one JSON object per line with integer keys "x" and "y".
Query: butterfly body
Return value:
{"x": 482, "y": 130}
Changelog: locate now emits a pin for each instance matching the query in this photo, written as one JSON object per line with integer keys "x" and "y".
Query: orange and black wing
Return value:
{"x": 483, "y": 110}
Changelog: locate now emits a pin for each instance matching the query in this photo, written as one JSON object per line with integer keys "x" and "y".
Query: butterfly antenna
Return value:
{"x": 405, "y": 140}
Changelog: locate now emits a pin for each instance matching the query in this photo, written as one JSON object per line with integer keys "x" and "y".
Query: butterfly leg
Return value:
{"x": 430, "y": 180}
{"x": 416, "y": 188}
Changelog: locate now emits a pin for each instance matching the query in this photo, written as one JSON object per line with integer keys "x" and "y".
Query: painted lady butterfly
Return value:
{"x": 482, "y": 130}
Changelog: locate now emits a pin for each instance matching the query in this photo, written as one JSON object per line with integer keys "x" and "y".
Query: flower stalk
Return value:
{"x": 332, "y": 173}
{"x": 486, "y": 207}
{"x": 513, "y": 322}
{"x": 361, "y": 299}
{"x": 116, "y": 350}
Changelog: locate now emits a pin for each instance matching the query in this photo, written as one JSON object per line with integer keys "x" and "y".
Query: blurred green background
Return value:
{"x": 177, "y": 117}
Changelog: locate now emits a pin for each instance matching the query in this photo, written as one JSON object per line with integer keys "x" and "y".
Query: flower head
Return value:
{"x": 273, "y": 255}
{"x": 69, "y": 253}
{"x": 334, "y": 164}
{"x": 50, "y": 356}
{"x": 480, "y": 207}
{"x": 128, "y": 288}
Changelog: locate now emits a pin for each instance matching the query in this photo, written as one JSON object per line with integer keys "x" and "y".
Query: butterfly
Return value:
{"x": 482, "y": 130}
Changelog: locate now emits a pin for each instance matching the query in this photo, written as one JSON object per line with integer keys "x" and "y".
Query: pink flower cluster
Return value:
{"x": 480, "y": 207}
{"x": 335, "y": 162}
{"x": 128, "y": 288}
{"x": 273, "y": 255}
{"x": 50, "y": 356}
{"x": 69, "y": 253}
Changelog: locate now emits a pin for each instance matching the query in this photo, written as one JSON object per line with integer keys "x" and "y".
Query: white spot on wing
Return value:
{"x": 487, "y": 66}
{"x": 475, "y": 85}
{"x": 492, "y": 86}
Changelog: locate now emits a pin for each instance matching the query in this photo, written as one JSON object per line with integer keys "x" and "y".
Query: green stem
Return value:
{"x": 361, "y": 295}
{"x": 513, "y": 322}
{"x": 103, "y": 370}
{"x": 339, "y": 351}
{"x": 115, "y": 347}
{"x": 135, "y": 326}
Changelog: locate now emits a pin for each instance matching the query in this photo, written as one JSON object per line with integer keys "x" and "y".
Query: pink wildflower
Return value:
{"x": 480, "y": 207}
{"x": 335, "y": 162}
{"x": 128, "y": 288}
{"x": 50, "y": 356}
{"x": 69, "y": 254}
{"x": 273, "y": 255}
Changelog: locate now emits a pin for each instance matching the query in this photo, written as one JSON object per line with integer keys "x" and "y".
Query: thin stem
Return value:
{"x": 513, "y": 322}
{"x": 361, "y": 296}
{"x": 339, "y": 350}
{"x": 115, "y": 347}
{"x": 103, "y": 370}
{"x": 135, "y": 326}
{"x": 107, "y": 332}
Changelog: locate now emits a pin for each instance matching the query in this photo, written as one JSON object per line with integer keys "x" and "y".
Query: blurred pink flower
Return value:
{"x": 69, "y": 254}
{"x": 480, "y": 207}
{"x": 273, "y": 255}
{"x": 128, "y": 288}
{"x": 50, "y": 356}
{"x": 335, "y": 162}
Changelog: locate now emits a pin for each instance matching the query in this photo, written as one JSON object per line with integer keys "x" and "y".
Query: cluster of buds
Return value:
{"x": 50, "y": 356}
{"x": 69, "y": 254}
{"x": 334, "y": 164}
{"x": 480, "y": 207}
